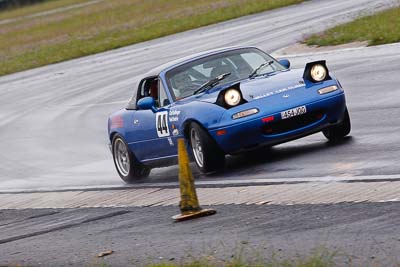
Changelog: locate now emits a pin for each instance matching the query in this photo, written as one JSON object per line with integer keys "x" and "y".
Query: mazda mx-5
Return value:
{"x": 222, "y": 102}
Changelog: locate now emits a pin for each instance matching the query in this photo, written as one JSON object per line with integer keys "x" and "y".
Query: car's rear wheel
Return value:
{"x": 207, "y": 155}
{"x": 128, "y": 168}
{"x": 338, "y": 132}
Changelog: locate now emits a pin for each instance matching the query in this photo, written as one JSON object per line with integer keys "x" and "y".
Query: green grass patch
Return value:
{"x": 312, "y": 261}
{"x": 252, "y": 257}
{"x": 31, "y": 42}
{"x": 381, "y": 28}
{"x": 18, "y": 11}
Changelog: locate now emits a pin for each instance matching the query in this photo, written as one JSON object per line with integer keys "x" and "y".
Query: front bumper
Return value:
{"x": 253, "y": 132}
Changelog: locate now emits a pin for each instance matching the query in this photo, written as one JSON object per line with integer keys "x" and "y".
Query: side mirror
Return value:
{"x": 147, "y": 103}
{"x": 285, "y": 63}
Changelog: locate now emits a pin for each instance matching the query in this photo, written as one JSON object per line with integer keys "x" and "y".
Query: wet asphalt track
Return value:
{"x": 53, "y": 119}
{"x": 361, "y": 234}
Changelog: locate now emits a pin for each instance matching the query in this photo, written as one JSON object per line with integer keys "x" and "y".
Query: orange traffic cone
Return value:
{"x": 189, "y": 203}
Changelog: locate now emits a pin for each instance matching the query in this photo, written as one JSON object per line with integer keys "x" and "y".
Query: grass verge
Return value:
{"x": 381, "y": 28}
{"x": 313, "y": 261}
{"x": 32, "y": 41}
{"x": 45, "y": 5}
{"x": 250, "y": 257}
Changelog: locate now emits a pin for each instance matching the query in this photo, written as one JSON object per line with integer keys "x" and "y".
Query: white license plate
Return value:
{"x": 293, "y": 112}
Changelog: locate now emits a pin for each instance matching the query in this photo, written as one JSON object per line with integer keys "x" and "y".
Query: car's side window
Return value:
{"x": 141, "y": 90}
{"x": 148, "y": 87}
{"x": 162, "y": 95}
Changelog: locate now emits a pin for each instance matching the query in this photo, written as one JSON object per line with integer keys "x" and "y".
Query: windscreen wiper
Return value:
{"x": 254, "y": 73}
{"x": 211, "y": 83}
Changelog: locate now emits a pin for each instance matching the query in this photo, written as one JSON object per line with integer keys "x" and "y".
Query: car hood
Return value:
{"x": 262, "y": 86}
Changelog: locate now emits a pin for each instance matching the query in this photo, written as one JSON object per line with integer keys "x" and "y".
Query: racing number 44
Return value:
{"x": 162, "y": 124}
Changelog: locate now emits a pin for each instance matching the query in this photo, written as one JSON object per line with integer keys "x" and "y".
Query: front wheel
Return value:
{"x": 128, "y": 168}
{"x": 207, "y": 155}
{"x": 338, "y": 132}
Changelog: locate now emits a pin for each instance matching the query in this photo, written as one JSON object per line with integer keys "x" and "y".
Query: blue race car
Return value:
{"x": 224, "y": 101}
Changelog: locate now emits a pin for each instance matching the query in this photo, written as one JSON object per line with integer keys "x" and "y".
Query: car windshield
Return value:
{"x": 184, "y": 80}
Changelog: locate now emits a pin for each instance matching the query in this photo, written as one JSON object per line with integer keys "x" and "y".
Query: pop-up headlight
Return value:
{"x": 316, "y": 72}
{"x": 232, "y": 97}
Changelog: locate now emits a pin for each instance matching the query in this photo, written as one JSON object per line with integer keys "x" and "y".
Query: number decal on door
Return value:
{"x": 162, "y": 124}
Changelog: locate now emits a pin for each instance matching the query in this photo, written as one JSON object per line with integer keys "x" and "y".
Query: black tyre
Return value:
{"x": 338, "y": 132}
{"x": 207, "y": 155}
{"x": 128, "y": 168}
